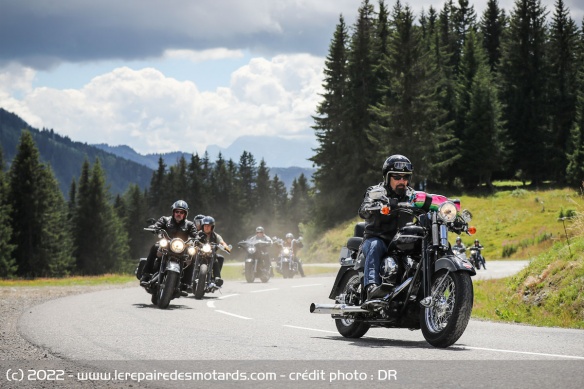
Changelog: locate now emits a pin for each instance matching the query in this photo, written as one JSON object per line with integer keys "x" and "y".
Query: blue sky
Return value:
{"x": 162, "y": 76}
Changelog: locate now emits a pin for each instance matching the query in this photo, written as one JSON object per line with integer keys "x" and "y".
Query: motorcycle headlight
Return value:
{"x": 206, "y": 248}
{"x": 163, "y": 243}
{"x": 177, "y": 246}
{"x": 251, "y": 250}
{"x": 191, "y": 250}
{"x": 286, "y": 251}
{"x": 447, "y": 212}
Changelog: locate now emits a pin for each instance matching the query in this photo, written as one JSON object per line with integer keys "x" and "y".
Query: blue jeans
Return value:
{"x": 374, "y": 249}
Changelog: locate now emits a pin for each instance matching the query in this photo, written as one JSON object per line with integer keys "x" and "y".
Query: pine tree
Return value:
{"x": 330, "y": 124}
{"x": 102, "y": 242}
{"x": 562, "y": 80}
{"x": 134, "y": 220}
{"x": 157, "y": 200}
{"x": 301, "y": 204}
{"x": 484, "y": 138}
{"x": 7, "y": 263}
{"x": 492, "y": 25}
{"x": 264, "y": 207}
{"x": 575, "y": 168}
{"x": 524, "y": 74}
{"x": 39, "y": 213}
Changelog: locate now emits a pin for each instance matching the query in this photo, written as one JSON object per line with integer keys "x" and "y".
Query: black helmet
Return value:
{"x": 198, "y": 219}
{"x": 289, "y": 236}
{"x": 208, "y": 220}
{"x": 477, "y": 241}
{"x": 396, "y": 164}
{"x": 260, "y": 229}
{"x": 458, "y": 239}
{"x": 181, "y": 204}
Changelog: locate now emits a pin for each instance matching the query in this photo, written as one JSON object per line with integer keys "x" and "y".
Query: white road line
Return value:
{"x": 211, "y": 304}
{"x": 519, "y": 352}
{"x": 264, "y": 290}
{"x": 304, "y": 286}
{"x": 461, "y": 347}
{"x": 227, "y": 295}
{"x": 310, "y": 329}
{"x": 233, "y": 314}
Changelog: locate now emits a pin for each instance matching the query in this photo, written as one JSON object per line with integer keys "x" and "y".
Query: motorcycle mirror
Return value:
{"x": 300, "y": 239}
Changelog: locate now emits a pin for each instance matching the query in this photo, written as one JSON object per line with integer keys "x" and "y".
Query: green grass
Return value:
{"x": 68, "y": 281}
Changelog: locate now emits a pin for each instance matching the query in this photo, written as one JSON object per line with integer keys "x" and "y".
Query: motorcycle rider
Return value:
{"x": 381, "y": 228}
{"x": 261, "y": 237}
{"x": 478, "y": 246}
{"x": 294, "y": 245}
{"x": 208, "y": 235}
{"x": 459, "y": 247}
{"x": 197, "y": 220}
{"x": 177, "y": 226}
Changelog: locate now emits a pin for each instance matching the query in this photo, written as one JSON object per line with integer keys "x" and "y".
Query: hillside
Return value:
{"x": 511, "y": 224}
{"x": 66, "y": 156}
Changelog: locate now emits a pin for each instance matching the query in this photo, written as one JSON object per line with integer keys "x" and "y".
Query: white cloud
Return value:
{"x": 204, "y": 55}
{"x": 154, "y": 113}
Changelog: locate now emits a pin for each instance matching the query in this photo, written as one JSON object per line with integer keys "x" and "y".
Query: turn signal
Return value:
{"x": 385, "y": 210}
{"x": 472, "y": 230}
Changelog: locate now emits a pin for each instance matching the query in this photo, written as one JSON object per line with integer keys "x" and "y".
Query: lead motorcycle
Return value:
{"x": 177, "y": 255}
{"x": 203, "y": 278}
{"x": 426, "y": 285}
{"x": 257, "y": 261}
{"x": 476, "y": 258}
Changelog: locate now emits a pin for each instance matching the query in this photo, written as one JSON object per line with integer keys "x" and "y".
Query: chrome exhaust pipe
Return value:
{"x": 336, "y": 309}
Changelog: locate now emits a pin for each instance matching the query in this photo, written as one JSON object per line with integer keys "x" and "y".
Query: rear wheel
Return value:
{"x": 201, "y": 281}
{"x": 167, "y": 287}
{"x": 350, "y": 288}
{"x": 444, "y": 322}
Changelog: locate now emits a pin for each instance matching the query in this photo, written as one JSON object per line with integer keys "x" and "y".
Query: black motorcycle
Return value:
{"x": 177, "y": 255}
{"x": 425, "y": 284}
{"x": 257, "y": 261}
{"x": 476, "y": 258}
{"x": 203, "y": 277}
{"x": 286, "y": 263}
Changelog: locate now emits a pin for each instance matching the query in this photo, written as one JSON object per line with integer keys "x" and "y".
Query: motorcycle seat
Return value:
{"x": 354, "y": 243}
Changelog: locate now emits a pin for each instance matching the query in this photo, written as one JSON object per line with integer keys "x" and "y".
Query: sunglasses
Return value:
{"x": 398, "y": 177}
{"x": 178, "y": 211}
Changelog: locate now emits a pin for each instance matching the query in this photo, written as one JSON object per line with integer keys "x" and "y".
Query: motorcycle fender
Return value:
{"x": 336, "y": 284}
{"x": 454, "y": 263}
{"x": 173, "y": 266}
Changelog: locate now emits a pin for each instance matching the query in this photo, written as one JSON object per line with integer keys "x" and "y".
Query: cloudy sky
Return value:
{"x": 171, "y": 75}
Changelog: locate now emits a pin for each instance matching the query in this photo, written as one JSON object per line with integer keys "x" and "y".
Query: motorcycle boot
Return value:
{"x": 218, "y": 281}
{"x": 145, "y": 280}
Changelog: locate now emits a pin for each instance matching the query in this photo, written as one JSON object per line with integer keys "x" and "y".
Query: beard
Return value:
{"x": 400, "y": 190}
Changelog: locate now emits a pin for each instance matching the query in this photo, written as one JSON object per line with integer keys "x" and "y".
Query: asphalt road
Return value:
{"x": 268, "y": 326}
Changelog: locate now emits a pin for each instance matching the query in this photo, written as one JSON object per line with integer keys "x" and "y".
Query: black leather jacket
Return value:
{"x": 384, "y": 226}
{"x": 184, "y": 230}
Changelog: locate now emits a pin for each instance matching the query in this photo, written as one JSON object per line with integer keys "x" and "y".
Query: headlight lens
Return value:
{"x": 177, "y": 246}
{"x": 447, "y": 212}
{"x": 163, "y": 243}
{"x": 191, "y": 250}
{"x": 206, "y": 248}
{"x": 251, "y": 250}
{"x": 286, "y": 251}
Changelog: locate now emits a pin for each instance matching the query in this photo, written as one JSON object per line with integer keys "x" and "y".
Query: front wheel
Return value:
{"x": 350, "y": 288}
{"x": 201, "y": 281}
{"x": 167, "y": 288}
{"x": 249, "y": 273}
{"x": 444, "y": 322}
